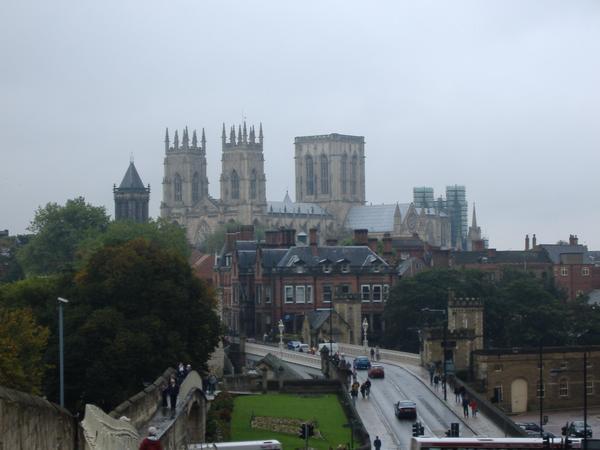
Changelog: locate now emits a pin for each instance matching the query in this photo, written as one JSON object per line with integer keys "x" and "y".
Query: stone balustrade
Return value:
{"x": 303, "y": 359}
{"x": 385, "y": 355}
{"x": 103, "y": 432}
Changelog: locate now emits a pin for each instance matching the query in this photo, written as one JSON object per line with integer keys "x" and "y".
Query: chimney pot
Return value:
{"x": 361, "y": 236}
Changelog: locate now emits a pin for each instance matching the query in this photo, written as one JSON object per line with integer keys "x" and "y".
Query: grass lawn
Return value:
{"x": 324, "y": 408}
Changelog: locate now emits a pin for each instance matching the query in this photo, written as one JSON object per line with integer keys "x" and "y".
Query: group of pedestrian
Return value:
{"x": 210, "y": 384}
{"x": 170, "y": 390}
{"x": 462, "y": 397}
{"x": 375, "y": 356}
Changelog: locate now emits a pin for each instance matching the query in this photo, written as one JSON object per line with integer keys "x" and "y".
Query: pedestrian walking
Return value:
{"x": 436, "y": 382}
{"x": 377, "y": 355}
{"x": 377, "y": 443}
{"x": 372, "y": 354}
{"x": 212, "y": 383}
{"x": 363, "y": 388}
{"x": 456, "y": 394}
{"x": 164, "y": 391}
{"x": 473, "y": 406}
{"x": 431, "y": 370}
{"x": 465, "y": 405}
{"x": 173, "y": 393}
{"x": 367, "y": 387}
{"x": 151, "y": 442}
{"x": 354, "y": 392}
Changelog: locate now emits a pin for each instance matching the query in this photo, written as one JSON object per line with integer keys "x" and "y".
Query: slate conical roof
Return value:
{"x": 132, "y": 179}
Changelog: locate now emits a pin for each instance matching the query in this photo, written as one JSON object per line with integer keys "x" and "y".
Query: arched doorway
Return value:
{"x": 518, "y": 395}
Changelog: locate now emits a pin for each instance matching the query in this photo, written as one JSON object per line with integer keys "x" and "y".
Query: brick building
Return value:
{"x": 511, "y": 377}
{"x": 262, "y": 282}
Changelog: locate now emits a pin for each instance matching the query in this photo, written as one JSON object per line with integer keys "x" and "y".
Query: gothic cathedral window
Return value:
{"x": 195, "y": 187}
{"x": 177, "y": 183}
{"x": 253, "y": 185}
{"x": 343, "y": 169}
{"x": 353, "y": 174}
{"x": 310, "y": 176}
{"x": 324, "y": 175}
{"x": 235, "y": 185}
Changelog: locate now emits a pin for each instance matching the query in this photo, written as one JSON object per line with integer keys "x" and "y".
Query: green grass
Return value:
{"x": 324, "y": 408}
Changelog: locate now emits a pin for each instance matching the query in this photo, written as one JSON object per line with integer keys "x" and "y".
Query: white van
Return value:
{"x": 242, "y": 445}
{"x": 331, "y": 347}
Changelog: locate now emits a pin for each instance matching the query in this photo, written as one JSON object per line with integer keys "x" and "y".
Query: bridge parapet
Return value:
{"x": 385, "y": 354}
{"x": 103, "y": 432}
{"x": 303, "y": 359}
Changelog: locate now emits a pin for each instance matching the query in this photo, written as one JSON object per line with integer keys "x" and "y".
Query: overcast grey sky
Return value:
{"x": 501, "y": 96}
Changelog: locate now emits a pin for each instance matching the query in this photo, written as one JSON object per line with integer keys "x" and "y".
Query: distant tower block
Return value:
{"x": 131, "y": 197}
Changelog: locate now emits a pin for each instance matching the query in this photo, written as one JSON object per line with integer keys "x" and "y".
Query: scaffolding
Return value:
{"x": 423, "y": 197}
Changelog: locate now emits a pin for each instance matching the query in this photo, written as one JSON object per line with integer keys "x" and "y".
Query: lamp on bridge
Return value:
{"x": 365, "y": 327}
{"x": 281, "y": 327}
{"x": 61, "y": 352}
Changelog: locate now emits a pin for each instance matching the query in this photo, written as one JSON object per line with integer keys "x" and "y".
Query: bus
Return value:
{"x": 468, "y": 443}
{"x": 242, "y": 445}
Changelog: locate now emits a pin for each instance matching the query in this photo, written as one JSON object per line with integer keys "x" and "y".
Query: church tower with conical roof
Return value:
{"x": 131, "y": 197}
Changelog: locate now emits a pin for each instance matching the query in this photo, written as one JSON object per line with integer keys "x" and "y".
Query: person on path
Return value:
{"x": 456, "y": 394}
{"x": 354, "y": 392}
{"x": 164, "y": 391}
{"x": 363, "y": 389}
{"x": 377, "y": 443}
{"x": 372, "y": 354}
{"x": 465, "y": 405}
{"x": 436, "y": 382}
{"x": 367, "y": 387}
{"x": 173, "y": 393}
{"x": 212, "y": 383}
{"x": 151, "y": 442}
{"x": 377, "y": 356}
{"x": 473, "y": 406}
{"x": 431, "y": 370}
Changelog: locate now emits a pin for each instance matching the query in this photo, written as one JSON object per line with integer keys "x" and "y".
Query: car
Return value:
{"x": 293, "y": 345}
{"x": 532, "y": 427}
{"x": 304, "y": 348}
{"x": 405, "y": 409}
{"x": 376, "y": 371}
{"x": 575, "y": 429}
{"x": 362, "y": 363}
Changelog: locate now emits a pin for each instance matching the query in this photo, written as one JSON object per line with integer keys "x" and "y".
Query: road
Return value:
{"x": 402, "y": 384}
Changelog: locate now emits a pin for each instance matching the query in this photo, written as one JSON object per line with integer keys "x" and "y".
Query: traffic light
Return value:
{"x": 303, "y": 431}
{"x": 454, "y": 429}
{"x": 421, "y": 429}
{"x": 415, "y": 429}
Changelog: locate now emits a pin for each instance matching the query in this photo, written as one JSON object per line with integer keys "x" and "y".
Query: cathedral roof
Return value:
{"x": 375, "y": 218}
{"x": 289, "y": 207}
{"x": 132, "y": 179}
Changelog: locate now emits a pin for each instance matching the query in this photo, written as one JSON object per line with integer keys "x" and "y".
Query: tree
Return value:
{"x": 136, "y": 309}
{"x": 22, "y": 343}
{"x": 58, "y": 231}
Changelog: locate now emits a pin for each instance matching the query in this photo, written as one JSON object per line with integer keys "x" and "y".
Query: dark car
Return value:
{"x": 362, "y": 362}
{"x": 376, "y": 371}
{"x": 575, "y": 429}
{"x": 405, "y": 409}
{"x": 530, "y": 427}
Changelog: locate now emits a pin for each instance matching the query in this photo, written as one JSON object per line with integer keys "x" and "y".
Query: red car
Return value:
{"x": 376, "y": 371}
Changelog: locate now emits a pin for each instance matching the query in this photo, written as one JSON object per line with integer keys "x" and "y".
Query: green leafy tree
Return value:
{"x": 58, "y": 231}
{"x": 136, "y": 308}
{"x": 22, "y": 344}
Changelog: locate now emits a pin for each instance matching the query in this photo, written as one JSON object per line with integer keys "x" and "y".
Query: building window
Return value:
{"x": 563, "y": 388}
{"x": 589, "y": 388}
{"x": 253, "y": 185}
{"x": 376, "y": 267}
{"x": 324, "y": 175}
{"x": 300, "y": 294}
{"x": 344, "y": 166}
{"x": 353, "y": 174}
{"x": 498, "y": 394}
{"x": 345, "y": 268}
{"x": 376, "y": 292}
{"x": 386, "y": 292}
{"x": 178, "y": 192}
{"x": 498, "y": 368}
{"x": 299, "y": 268}
{"x": 309, "y": 294}
{"x": 365, "y": 293}
{"x": 310, "y": 176}
{"x": 289, "y": 294}
{"x": 327, "y": 293}
{"x": 579, "y": 293}
{"x": 564, "y": 365}
{"x": 326, "y": 268}
{"x": 564, "y": 271}
{"x": 235, "y": 185}
{"x": 585, "y": 271}
{"x": 540, "y": 389}
{"x": 258, "y": 294}
{"x": 267, "y": 294}
{"x": 195, "y": 187}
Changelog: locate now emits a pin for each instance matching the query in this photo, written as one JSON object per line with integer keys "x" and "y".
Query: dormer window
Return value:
{"x": 300, "y": 268}
{"x": 376, "y": 267}
{"x": 345, "y": 267}
{"x": 327, "y": 268}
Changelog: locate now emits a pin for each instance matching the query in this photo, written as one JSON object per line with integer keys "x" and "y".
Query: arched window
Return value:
{"x": 353, "y": 174}
{"x": 235, "y": 185}
{"x": 253, "y": 184}
{"x": 310, "y": 176}
{"x": 195, "y": 187}
{"x": 324, "y": 175}
{"x": 343, "y": 169}
{"x": 177, "y": 184}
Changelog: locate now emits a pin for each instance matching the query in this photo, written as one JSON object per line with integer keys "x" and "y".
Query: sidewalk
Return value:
{"x": 558, "y": 419}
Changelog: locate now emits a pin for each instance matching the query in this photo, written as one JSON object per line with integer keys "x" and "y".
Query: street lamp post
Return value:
{"x": 281, "y": 327}
{"x": 365, "y": 327}
{"x": 444, "y": 343}
{"x": 61, "y": 351}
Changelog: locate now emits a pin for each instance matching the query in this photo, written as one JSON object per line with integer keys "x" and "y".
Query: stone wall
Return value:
{"x": 142, "y": 406}
{"x": 30, "y": 422}
{"x": 102, "y": 432}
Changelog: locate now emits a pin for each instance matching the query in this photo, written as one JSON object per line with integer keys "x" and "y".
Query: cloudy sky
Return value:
{"x": 501, "y": 96}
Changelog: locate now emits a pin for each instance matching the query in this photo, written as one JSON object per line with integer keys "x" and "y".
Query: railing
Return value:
{"x": 101, "y": 431}
{"x": 385, "y": 355}
{"x": 303, "y": 359}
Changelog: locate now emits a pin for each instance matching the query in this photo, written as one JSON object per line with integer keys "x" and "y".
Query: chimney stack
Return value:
{"x": 573, "y": 240}
{"x": 313, "y": 241}
{"x": 246, "y": 232}
{"x": 271, "y": 238}
{"x": 387, "y": 244}
{"x": 533, "y": 242}
{"x": 361, "y": 237}
{"x": 526, "y": 242}
{"x": 373, "y": 244}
